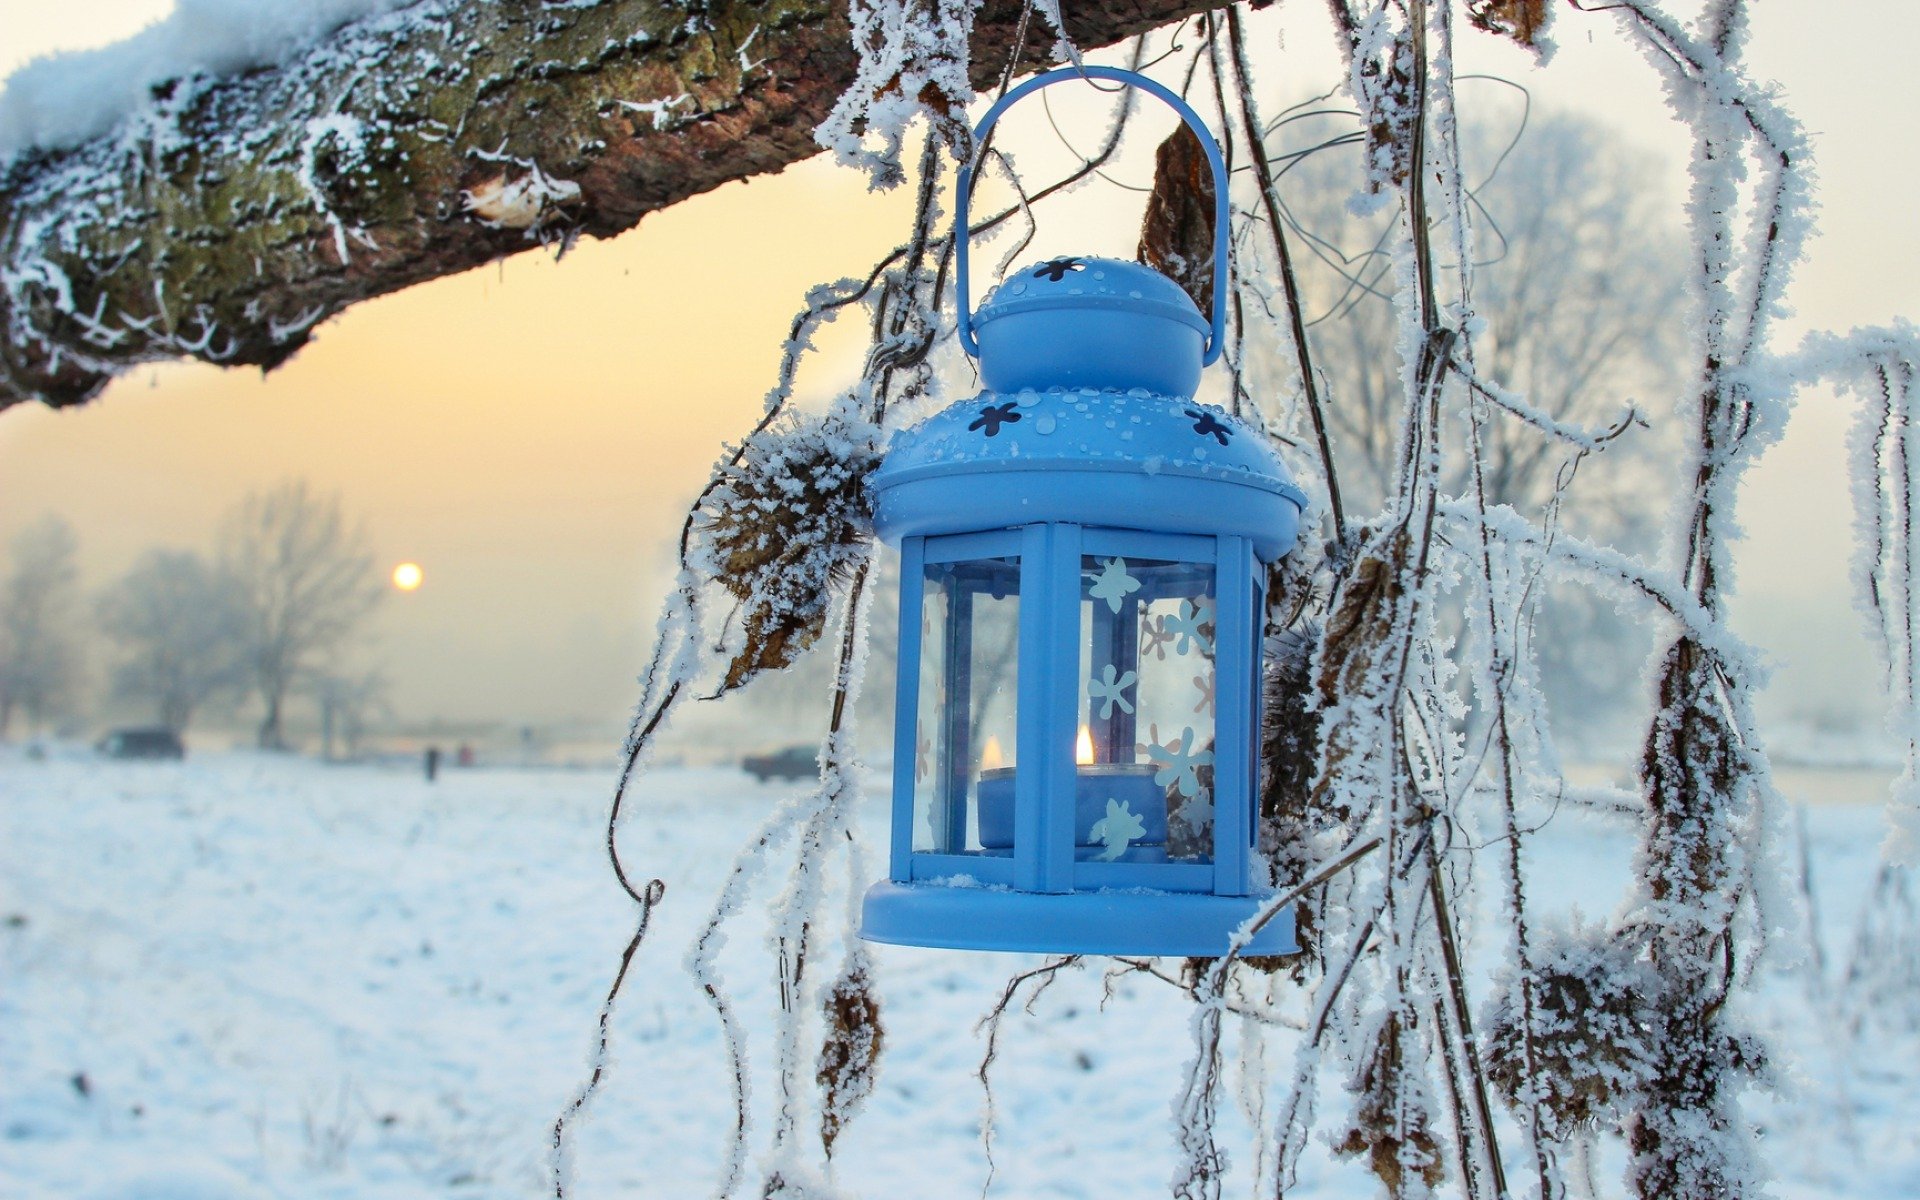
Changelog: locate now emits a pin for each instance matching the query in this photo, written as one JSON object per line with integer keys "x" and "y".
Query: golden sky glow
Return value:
{"x": 535, "y": 429}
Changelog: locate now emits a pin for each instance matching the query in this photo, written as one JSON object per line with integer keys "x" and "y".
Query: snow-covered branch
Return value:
{"x": 225, "y": 218}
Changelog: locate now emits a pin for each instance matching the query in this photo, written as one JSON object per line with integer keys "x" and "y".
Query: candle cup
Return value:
{"x": 993, "y": 796}
{"x": 1129, "y": 784}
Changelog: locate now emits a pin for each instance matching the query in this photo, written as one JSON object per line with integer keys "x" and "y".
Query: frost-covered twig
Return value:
{"x": 1296, "y": 318}
{"x": 560, "y": 1148}
{"x": 1198, "y": 1172}
{"x": 1040, "y": 978}
{"x": 1878, "y": 366}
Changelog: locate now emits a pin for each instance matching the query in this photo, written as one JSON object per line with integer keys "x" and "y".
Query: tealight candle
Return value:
{"x": 1129, "y": 785}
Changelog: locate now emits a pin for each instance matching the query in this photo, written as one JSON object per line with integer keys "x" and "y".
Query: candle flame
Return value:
{"x": 1083, "y": 748}
{"x": 990, "y": 756}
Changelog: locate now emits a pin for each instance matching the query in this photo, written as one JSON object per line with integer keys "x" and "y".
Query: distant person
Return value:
{"x": 464, "y": 757}
{"x": 433, "y": 762}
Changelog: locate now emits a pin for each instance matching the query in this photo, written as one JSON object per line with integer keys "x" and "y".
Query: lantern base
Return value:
{"x": 1134, "y": 922}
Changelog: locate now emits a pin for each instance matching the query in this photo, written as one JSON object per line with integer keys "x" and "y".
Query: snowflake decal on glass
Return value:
{"x": 1205, "y": 423}
{"x": 1055, "y": 271}
{"x": 1154, "y": 637}
{"x": 1177, "y": 764}
{"x": 993, "y": 416}
{"x": 1109, "y": 690}
{"x": 1116, "y": 829}
{"x": 1205, "y": 703}
{"x": 922, "y": 753}
{"x": 1192, "y": 820}
{"x": 1186, "y": 626}
{"x": 1113, "y": 584}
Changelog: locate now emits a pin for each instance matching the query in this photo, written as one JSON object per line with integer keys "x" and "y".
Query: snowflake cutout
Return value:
{"x": 1155, "y": 636}
{"x": 1205, "y": 423}
{"x": 1177, "y": 765}
{"x": 1116, "y": 829}
{"x": 1108, "y": 689}
{"x": 1205, "y": 704}
{"x": 1186, "y": 627}
{"x": 1113, "y": 583}
{"x": 1193, "y": 819}
{"x": 922, "y": 753}
{"x": 993, "y": 416}
{"x": 1055, "y": 271}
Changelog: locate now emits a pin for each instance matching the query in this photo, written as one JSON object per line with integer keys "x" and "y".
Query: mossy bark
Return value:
{"x": 232, "y": 216}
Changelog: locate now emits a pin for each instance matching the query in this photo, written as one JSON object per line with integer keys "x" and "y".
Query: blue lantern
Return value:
{"x": 1083, "y": 563}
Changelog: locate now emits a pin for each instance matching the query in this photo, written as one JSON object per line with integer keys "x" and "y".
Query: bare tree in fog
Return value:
{"x": 1585, "y": 317}
{"x": 40, "y": 660}
{"x": 348, "y": 702}
{"x": 305, "y": 581}
{"x": 180, "y": 627}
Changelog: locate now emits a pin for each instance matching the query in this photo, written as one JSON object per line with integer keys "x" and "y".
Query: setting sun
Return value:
{"x": 408, "y": 576}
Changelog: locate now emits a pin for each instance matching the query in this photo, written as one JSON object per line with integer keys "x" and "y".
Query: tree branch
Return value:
{"x": 227, "y": 219}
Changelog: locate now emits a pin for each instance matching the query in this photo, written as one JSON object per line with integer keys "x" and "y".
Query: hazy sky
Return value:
{"x": 531, "y": 431}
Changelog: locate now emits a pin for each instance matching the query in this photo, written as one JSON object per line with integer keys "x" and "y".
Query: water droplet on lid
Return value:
{"x": 1126, "y": 435}
{"x": 1043, "y": 423}
{"x": 1199, "y": 451}
{"x": 1135, "y": 293}
{"x": 1018, "y": 288}
{"x": 1074, "y": 291}
{"x": 1027, "y": 398}
{"x": 1099, "y": 274}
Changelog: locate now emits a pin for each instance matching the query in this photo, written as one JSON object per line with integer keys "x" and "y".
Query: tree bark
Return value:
{"x": 230, "y": 217}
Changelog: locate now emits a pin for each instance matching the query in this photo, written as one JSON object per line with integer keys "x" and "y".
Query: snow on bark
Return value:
{"x": 64, "y": 99}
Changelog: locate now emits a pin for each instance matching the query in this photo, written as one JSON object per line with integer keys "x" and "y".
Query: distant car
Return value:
{"x": 794, "y": 762}
{"x": 142, "y": 743}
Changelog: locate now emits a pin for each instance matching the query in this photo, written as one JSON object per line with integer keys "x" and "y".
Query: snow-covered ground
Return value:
{"x": 247, "y": 977}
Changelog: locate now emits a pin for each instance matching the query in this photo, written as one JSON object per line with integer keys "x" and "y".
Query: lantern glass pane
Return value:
{"x": 969, "y": 678}
{"x": 1146, "y": 708}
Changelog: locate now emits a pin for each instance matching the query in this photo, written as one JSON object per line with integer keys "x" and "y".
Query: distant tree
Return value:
{"x": 305, "y": 582}
{"x": 1585, "y": 318}
{"x": 348, "y": 702}
{"x": 1574, "y": 278}
{"x": 40, "y": 659}
{"x": 180, "y": 628}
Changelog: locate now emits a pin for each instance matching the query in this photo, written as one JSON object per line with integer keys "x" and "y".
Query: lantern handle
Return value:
{"x": 962, "y": 232}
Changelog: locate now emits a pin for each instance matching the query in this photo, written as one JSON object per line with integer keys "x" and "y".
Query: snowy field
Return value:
{"x": 246, "y": 977}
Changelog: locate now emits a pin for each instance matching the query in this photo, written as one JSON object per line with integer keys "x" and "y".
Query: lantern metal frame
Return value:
{"x": 1119, "y": 462}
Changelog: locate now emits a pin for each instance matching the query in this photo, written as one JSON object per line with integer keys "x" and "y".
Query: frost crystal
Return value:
{"x": 914, "y": 56}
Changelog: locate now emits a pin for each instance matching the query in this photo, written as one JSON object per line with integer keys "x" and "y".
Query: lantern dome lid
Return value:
{"x": 1089, "y": 283}
{"x": 1090, "y": 322}
{"x": 1127, "y": 459}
